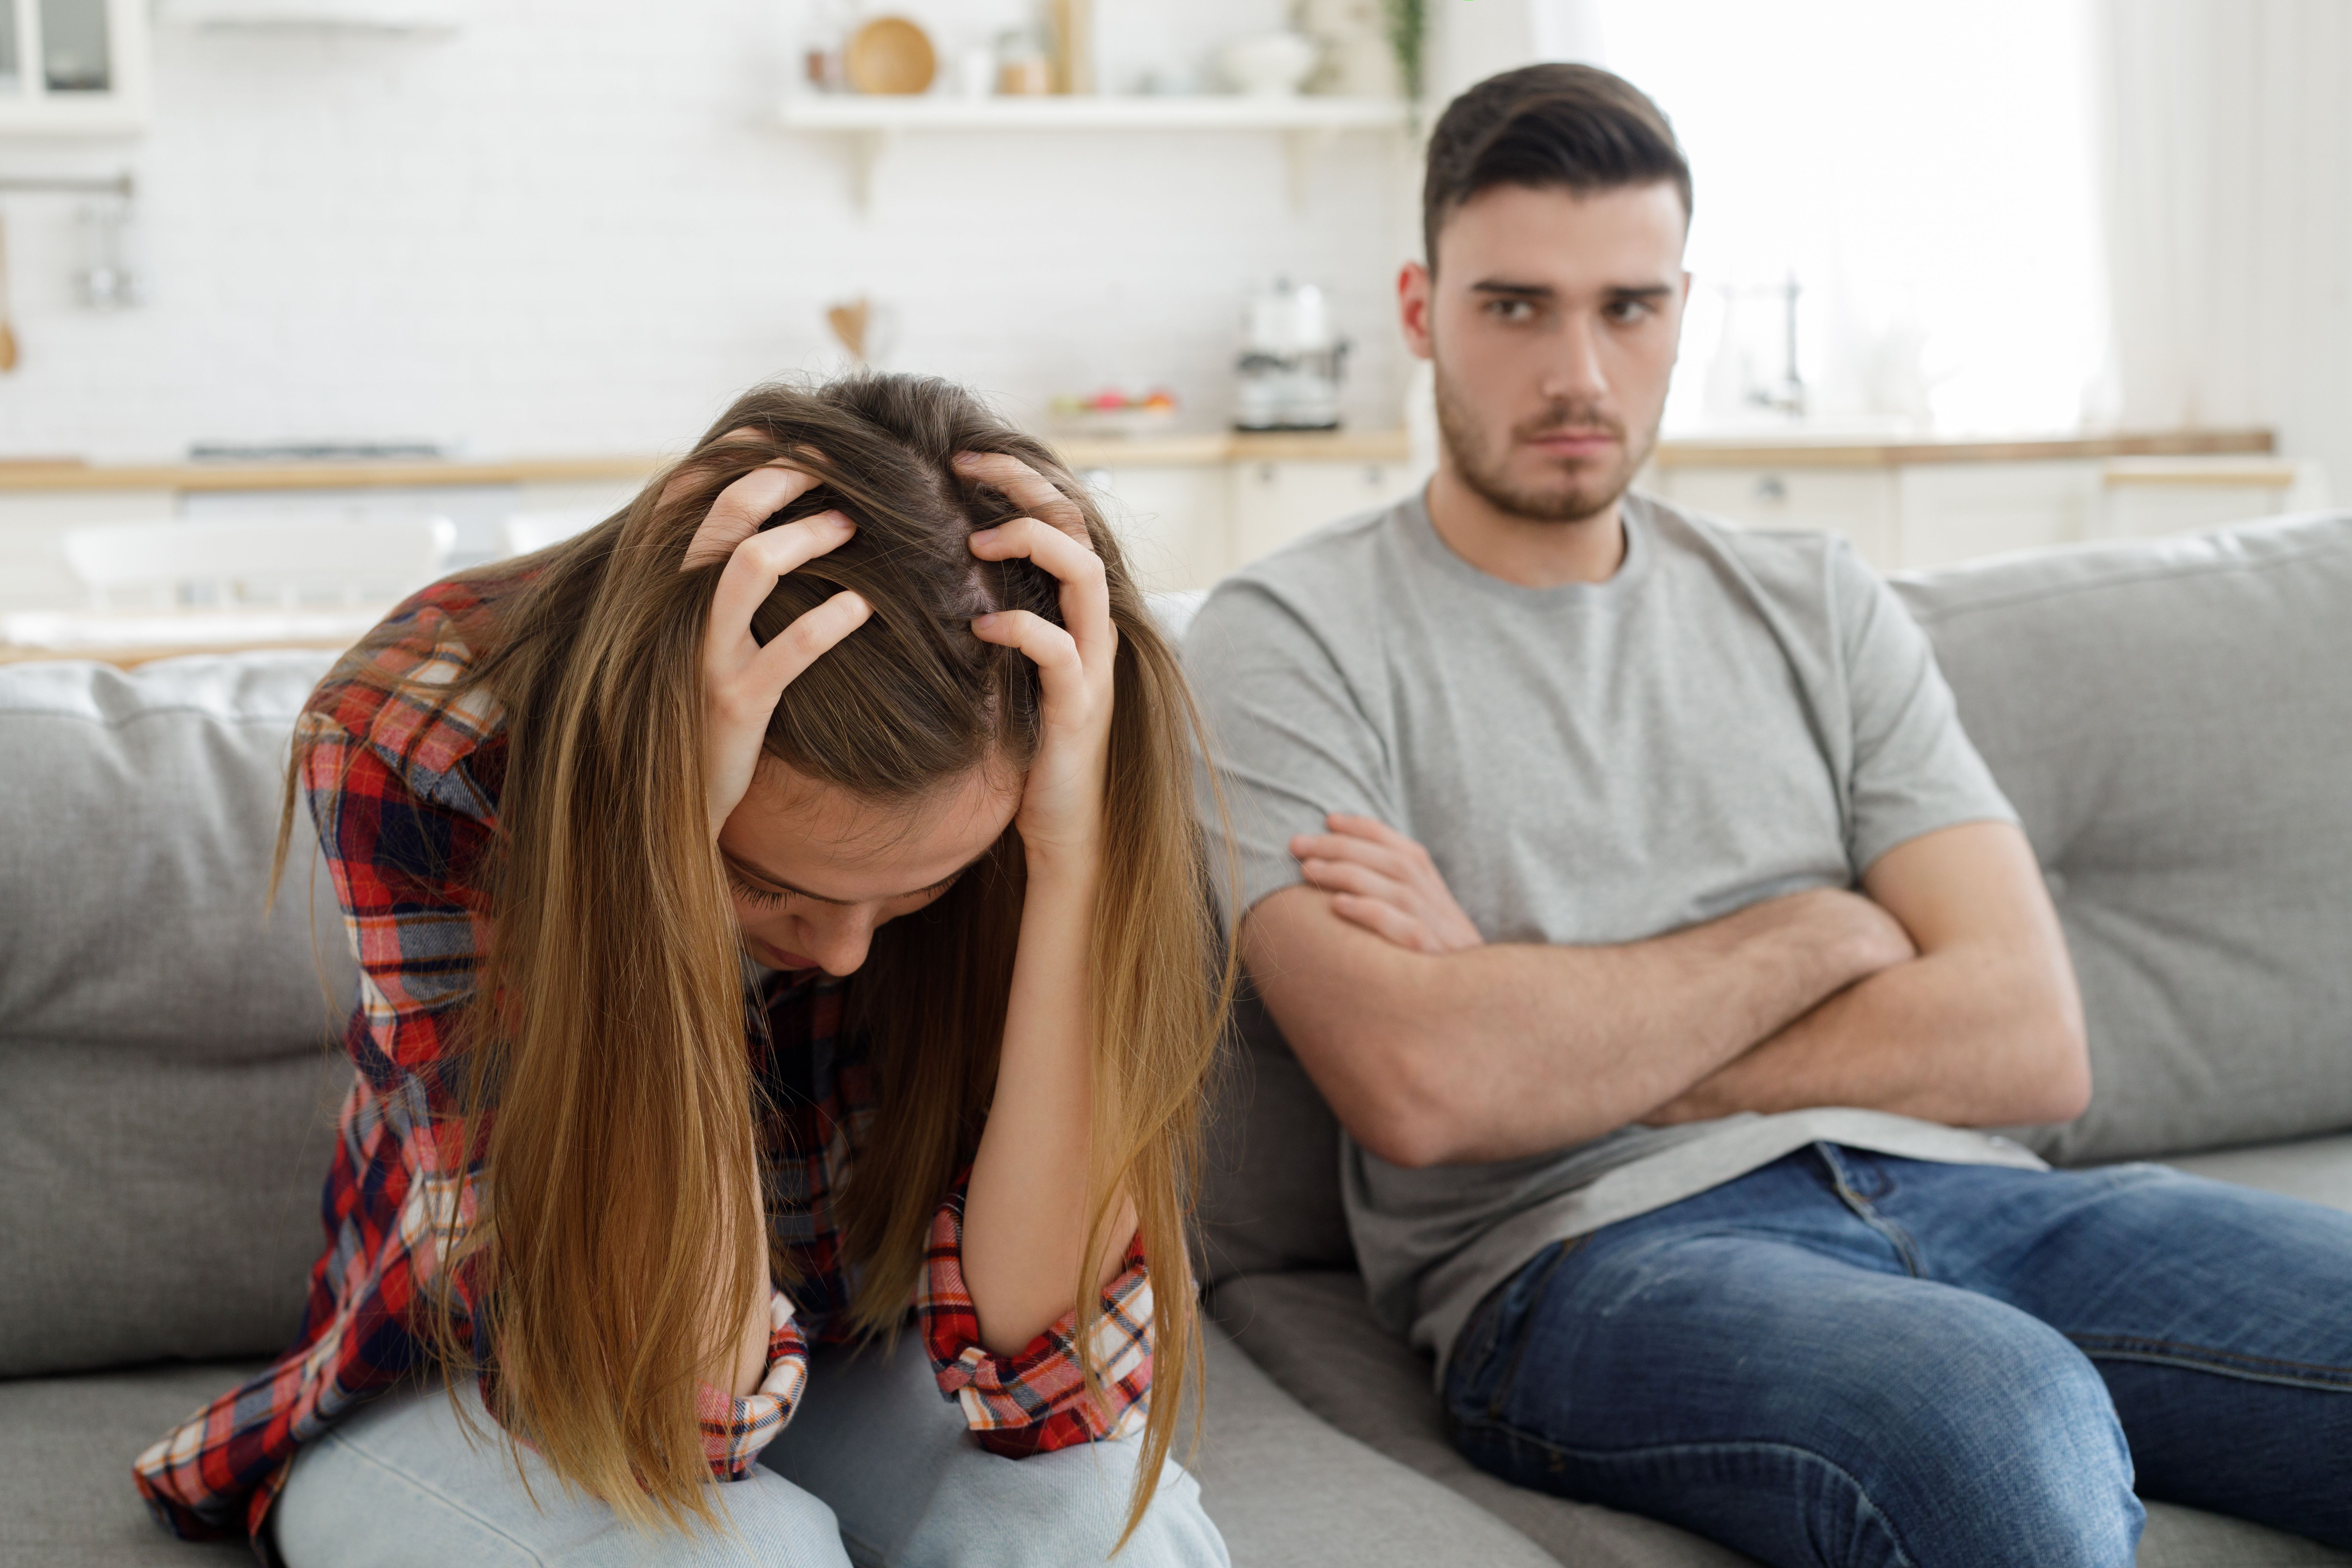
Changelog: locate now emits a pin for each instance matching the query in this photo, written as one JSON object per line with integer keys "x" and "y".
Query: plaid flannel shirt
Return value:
{"x": 404, "y": 791}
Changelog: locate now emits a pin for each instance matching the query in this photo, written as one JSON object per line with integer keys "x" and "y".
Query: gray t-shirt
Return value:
{"x": 1733, "y": 716}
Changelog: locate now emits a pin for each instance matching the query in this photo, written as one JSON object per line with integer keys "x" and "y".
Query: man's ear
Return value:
{"x": 1416, "y": 292}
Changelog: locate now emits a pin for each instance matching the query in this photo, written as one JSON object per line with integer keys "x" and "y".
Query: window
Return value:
{"x": 1926, "y": 174}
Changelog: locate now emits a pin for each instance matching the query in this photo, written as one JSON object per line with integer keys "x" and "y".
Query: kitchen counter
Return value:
{"x": 1807, "y": 451}
{"x": 1184, "y": 450}
{"x": 320, "y": 475}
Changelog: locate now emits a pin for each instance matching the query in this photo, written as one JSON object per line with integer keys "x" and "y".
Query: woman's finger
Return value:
{"x": 1025, "y": 487}
{"x": 760, "y": 562}
{"x": 691, "y": 473}
{"x": 1086, "y": 587}
{"x": 812, "y": 633}
{"x": 741, "y": 508}
{"x": 1052, "y": 651}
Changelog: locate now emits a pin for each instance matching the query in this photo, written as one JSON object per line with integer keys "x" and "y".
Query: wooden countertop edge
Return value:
{"x": 131, "y": 658}
{"x": 1164, "y": 451}
{"x": 316, "y": 476}
{"x": 1727, "y": 453}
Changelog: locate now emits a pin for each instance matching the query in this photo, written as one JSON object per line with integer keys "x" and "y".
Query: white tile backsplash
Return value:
{"x": 574, "y": 228}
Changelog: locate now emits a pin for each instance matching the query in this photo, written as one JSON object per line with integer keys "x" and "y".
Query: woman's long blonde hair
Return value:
{"x": 607, "y": 1069}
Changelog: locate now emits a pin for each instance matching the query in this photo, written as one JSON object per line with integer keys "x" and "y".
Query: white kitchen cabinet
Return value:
{"x": 1955, "y": 512}
{"x": 1173, "y": 521}
{"x": 73, "y": 67}
{"x": 33, "y": 526}
{"x": 2143, "y": 497}
{"x": 1275, "y": 502}
{"x": 1858, "y": 502}
{"x": 1186, "y": 525}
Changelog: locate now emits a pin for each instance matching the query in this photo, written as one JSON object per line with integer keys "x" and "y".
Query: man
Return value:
{"x": 1627, "y": 885}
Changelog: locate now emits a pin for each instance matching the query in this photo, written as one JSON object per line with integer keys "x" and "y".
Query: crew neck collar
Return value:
{"x": 1640, "y": 547}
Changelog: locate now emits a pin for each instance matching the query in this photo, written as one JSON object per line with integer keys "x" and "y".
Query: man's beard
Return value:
{"x": 1486, "y": 472}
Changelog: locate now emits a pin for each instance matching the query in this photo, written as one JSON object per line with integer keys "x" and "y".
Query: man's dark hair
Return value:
{"x": 1573, "y": 126}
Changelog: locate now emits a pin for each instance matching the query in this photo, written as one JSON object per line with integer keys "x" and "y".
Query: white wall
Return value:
{"x": 2228, "y": 146}
{"x": 572, "y": 227}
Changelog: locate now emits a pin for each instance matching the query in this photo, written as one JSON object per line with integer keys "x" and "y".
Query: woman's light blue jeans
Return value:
{"x": 1850, "y": 1359}
{"x": 876, "y": 1468}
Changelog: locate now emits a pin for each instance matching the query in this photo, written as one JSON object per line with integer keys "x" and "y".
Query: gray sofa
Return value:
{"x": 2173, "y": 720}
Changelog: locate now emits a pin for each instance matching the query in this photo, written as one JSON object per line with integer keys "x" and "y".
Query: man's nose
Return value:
{"x": 1575, "y": 373}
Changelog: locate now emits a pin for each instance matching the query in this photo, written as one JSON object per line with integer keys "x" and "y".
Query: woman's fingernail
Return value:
{"x": 981, "y": 623}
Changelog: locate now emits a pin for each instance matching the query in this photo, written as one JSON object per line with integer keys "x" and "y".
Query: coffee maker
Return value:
{"x": 1290, "y": 362}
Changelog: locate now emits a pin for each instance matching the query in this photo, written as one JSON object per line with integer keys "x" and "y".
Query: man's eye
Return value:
{"x": 1511, "y": 310}
{"x": 1625, "y": 312}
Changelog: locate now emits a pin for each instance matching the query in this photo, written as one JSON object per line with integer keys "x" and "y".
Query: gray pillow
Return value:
{"x": 168, "y": 1049}
{"x": 2173, "y": 720}
{"x": 1270, "y": 1191}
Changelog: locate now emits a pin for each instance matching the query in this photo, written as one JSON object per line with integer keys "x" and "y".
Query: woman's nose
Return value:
{"x": 838, "y": 942}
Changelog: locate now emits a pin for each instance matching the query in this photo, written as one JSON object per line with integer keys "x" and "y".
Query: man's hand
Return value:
{"x": 1386, "y": 883}
{"x": 1984, "y": 1030}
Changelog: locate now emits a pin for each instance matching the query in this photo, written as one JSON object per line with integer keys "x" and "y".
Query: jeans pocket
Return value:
{"x": 1487, "y": 1356}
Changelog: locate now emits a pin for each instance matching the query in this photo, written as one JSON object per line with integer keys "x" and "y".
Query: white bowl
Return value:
{"x": 1269, "y": 65}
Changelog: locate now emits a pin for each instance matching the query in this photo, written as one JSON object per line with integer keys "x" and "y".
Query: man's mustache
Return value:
{"x": 1569, "y": 421}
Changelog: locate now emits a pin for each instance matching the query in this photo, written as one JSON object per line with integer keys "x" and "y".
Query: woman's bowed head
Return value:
{"x": 861, "y": 686}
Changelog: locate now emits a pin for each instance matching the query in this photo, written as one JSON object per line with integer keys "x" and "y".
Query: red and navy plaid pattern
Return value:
{"x": 404, "y": 790}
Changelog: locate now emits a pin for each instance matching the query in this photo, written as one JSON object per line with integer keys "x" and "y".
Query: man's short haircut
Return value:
{"x": 1576, "y": 127}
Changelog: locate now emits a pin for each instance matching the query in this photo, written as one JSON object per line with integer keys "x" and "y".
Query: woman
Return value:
{"x": 859, "y": 703}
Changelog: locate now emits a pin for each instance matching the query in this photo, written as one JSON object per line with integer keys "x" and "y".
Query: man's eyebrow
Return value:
{"x": 1545, "y": 291}
{"x": 765, "y": 875}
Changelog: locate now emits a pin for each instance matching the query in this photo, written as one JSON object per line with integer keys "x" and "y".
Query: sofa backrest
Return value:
{"x": 167, "y": 1048}
{"x": 2173, "y": 720}
{"x": 171, "y": 1053}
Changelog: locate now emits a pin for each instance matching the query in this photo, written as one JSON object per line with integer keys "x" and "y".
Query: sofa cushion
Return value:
{"x": 1284, "y": 1489}
{"x": 1313, "y": 1332}
{"x": 2316, "y": 1170}
{"x": 138, "y": 809}
{"x": 1270, "y": 1186}
{"x": 2173, "y": 722}
{"x": 1315, "y": 1336}
{"x": 65, "y": 1447}
{"x": 167, "y": 1046}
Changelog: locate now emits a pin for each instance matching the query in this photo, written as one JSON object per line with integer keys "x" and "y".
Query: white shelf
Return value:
{"x": 867, "y": 123}
{"x": 879, "y": 112}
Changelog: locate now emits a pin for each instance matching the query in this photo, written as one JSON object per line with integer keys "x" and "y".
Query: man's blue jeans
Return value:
{"x": 1850, "y": 1359}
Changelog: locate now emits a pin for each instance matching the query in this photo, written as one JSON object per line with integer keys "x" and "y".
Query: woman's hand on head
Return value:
{"x": 1061, "y": 812}
{"x": 741, "y": 679}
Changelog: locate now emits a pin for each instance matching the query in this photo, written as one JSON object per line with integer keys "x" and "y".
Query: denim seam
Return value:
{"x": 1508, "y": 1375}
{"x": 2319, "y": 1377}
{"x": 1867, "y": 1212}
{"x": 1601, "y": 1455}
{"x": 428, "y": 1490}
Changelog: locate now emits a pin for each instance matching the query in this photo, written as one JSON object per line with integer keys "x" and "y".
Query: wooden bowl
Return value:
{"x": 890, "y": 55}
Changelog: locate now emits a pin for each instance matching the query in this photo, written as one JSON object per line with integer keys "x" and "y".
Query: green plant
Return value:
{"x": 1408, "y": 31}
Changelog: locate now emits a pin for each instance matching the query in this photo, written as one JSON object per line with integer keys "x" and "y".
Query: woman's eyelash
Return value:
{"x": 768, "y": 898}
{"x": 763, "y": 897}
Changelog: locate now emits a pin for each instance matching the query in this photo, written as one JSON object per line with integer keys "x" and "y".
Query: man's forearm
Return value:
{"x": 1963, "y": 1036}
{"x": 1510, "y": 1049}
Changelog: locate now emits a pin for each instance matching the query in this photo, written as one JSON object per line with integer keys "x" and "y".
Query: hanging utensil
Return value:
{"x": 7, "y": 333}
